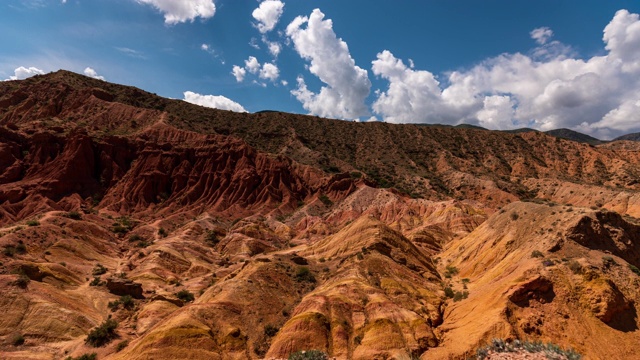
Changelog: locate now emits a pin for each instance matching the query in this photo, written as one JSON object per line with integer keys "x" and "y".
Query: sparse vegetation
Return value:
{"x": 135, "y": 237}
{"x": 162, "y": 233}
{"x": 450, "y": 271}
{"x": 634, "y": 269}
{"x": 309, "y": 355}
{"x": 17, "y": 340}
{"x": 22, "y": 281}
{"x": 121, "y": 345}
{"x": 99, "y": 270}
{"x": 123, "y": 225}
{"x": 102, "y": 334}
{"x": 211, "y": 238}
{"x": 551, "y": 351}
{"x": 448, "y": 292}
{"x": 608, "y": 261}
{"x": 185, "y": 295}
{"x": 92, "y": 356}
{"x": 33, "y": 222}
{"x": 96, "y": 281}
{"x": 514, "y": 216}
{"x": 575, "y": 267}
{"x": 73, "y": 215}
{"x": 460, "y": 295}
{"x": 21, "y": 248}
{"x": 537, "y": 254}
{"x": 271, "y": 330}
{"x": 305, "y": 275}
{"x": 325, "y": 200}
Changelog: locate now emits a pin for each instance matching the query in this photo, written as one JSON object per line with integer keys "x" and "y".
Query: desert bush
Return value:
{"x": 127, "y": 302}
{"x": 550, "y": 350}
{"x": 514, "y": 216}
{"x": 102, "y": 334}
{"x": 33, "y": 222}
{"x": 135, "y": 237}
{"x": 537, "y": 254}
{"x": 185, "y": 295}
{"x": 309, "y": 355}
{"x": 9, "y": 250}
{"x": 634, "y": 269}
{"x": 450, "y": 271}
{"x": 121, "y": 345}
{"x": 96, "y": 281}
{"x": 325, "y": 200}
{"x": 608, "y": 261}
{"x": 99, "y": 270}
{"x": 448, "y": 292}
{"x": 211, "y": 238}
{"x": 304, "y": 274}
{"x": 460, "y": 295}
{"x": 92, "y": 356}
{"x": 575, "y": 267}
{"x": 22, "y": 281}
{"x": 162, "y": 233}
{"x": 73, "y": 215}
{"x": 17, "y": 340}
{"x": 271, "y": 330}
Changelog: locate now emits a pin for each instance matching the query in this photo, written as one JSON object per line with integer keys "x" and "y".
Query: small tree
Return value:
{"x": 102, "y": 334}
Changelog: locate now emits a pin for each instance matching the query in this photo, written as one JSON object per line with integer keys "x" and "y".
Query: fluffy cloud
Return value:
{"x": 239, "y": 73}
{"x": 347, "y": 84}
{"x": 547, "y": 89}
{"x": 22, "y": 73}
{"x": 273, "y": 46}
{"x": 269, "y": 71}
{"x": 267, "y": 15}
{"x": 213, "y": 101}
{"x": 252, "y": 65}
{"x": 90, "y": 72}
{"x": 183, "y": 10}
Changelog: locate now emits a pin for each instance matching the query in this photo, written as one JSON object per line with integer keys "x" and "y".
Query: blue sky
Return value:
{"x": 497, "y": 64}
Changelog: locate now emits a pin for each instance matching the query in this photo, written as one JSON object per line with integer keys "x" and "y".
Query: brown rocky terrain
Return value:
{"x": 212, "y": 234}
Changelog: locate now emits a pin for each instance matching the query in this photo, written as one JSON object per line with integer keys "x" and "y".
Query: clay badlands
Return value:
{"x": 137, "y": 227}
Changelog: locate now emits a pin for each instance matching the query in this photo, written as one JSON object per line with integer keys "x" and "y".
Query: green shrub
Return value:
{"x": 102, "y": 334}
{"x": 460, "y": 295}
{"x": 304, "y": 274}
{"x": 448, "y": 292}
{"x": 309, "y": 355}
{"x": 73, "y": 215}
{"x": 17, "y": 340}
{"x": 185, "y": 295}
{"x": 271, "y": 330}
{"x": 92, "y": 356}
{"x": 22, "y": 281}
{"x": 121, "y": 345}
{"x": 608, "y": 261}
{"x": 33, "y": 222}
{"x": 325, "y": 200}
{"x": 450, "y": 271}
{"x": 634, "y": 269}
{"x": 96, "y": 281}
{"x": 9, "y": 250}
{"x": 127, "y": 302}
{"x": 536, "y": 254}
{"x": 162, "y": 233}
{"x": 99, "y": 270}
{"x": 135, "y": 237}
{"x": 575, "y": 267}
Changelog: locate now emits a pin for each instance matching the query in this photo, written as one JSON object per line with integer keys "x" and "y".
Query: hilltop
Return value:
{"x": 240, "y": 235}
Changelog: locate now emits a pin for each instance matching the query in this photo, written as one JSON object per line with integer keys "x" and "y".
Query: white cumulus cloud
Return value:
{"x": 268, "y": 14}
{"x": 239, "y": 73}
{"x": 90, "y": 72}
{"x": 179, "y": 11}
{"x": 548, "y": 89}
{"x": 252, "y": 64}
{"x": 347, "y": 84}
{"x": 213, "y": 101}
{"x": 22, "y": 73}
{"x": 269, "y": 71}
